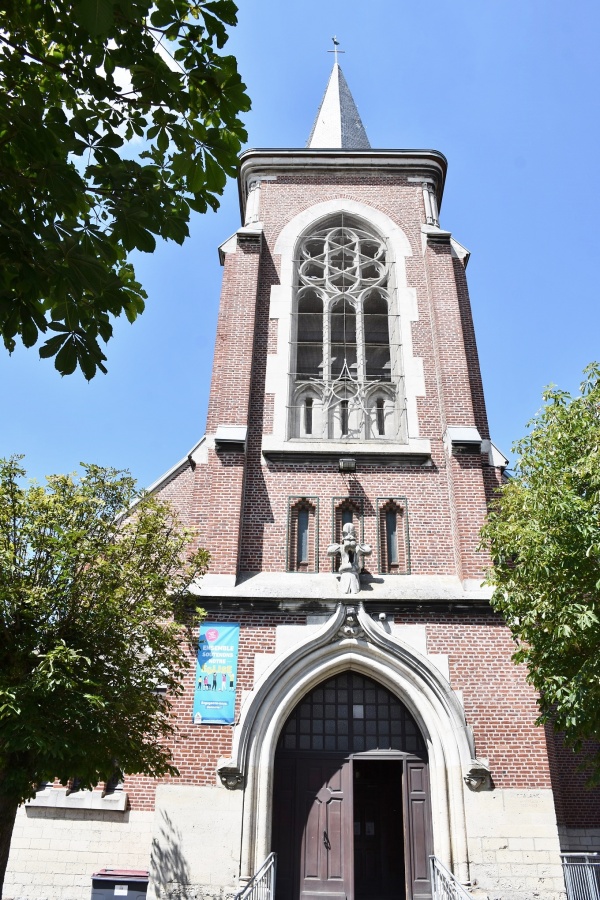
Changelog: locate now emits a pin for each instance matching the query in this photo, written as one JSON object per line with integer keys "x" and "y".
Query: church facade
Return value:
{"x": 354, "y": 707}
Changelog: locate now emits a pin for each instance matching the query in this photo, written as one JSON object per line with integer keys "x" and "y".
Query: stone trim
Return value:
{"x": 79, "y": 800}
{"x": 282, "y": 305}
{"x": 413, "y": 678}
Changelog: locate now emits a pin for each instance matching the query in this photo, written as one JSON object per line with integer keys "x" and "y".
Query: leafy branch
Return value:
{"x": 119, "y": 118}
{"x": 544, "y": 536}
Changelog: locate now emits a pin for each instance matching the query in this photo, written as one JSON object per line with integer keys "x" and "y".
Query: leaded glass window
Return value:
{"x": 394, "y": 546}
{"x": 346, "y": 353}
{"x": 391, "y": 535}
{"x": 351, "y": 713}
{"x": 302, "y": 537}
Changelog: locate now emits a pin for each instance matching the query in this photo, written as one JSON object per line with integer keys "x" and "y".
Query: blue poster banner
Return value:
{"x": 216, "y": 674}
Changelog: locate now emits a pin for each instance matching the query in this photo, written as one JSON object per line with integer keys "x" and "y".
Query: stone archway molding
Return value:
{"x": 301, "y": 222}
{"x": 352, "y": 640}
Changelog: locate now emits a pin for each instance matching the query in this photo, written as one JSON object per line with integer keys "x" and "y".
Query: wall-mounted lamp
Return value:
{"x": 347, "y": 464}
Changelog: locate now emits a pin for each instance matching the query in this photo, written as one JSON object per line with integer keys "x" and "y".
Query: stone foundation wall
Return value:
{"x": 195, "y": 843}
{"x": 513, "y": 845}
{"x": 54, "y": 852}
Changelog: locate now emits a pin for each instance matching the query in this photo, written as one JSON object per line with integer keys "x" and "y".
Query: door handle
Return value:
{"x": 326, "y": 842}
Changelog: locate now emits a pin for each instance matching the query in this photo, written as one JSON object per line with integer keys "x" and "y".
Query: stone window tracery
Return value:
{"x": 346, "y": 351}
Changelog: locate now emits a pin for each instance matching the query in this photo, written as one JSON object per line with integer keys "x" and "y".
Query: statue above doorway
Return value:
{"x": 351, "y": 553}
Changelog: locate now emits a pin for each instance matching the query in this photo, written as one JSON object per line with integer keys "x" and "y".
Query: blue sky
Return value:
{"x": 507, "y": 90}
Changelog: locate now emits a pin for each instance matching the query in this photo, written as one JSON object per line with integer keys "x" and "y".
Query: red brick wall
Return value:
{"x": 446, "y": 503}
{"x": 232, "y": 364}
{"x": 197, "y": 749}
{"x": 179, "y": 492}
{"x": 499, "y": 705}
{"x": 577, "y": 804}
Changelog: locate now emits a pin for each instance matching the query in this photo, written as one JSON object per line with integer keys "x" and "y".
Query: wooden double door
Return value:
{"x": 353, "y": 827}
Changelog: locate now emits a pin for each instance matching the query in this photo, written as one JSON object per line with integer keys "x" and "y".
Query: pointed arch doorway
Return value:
{"x": 351, "y": 805}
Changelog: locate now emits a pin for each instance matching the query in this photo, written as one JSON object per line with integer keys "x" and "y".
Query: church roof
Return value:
{"x": 338, "y": 123}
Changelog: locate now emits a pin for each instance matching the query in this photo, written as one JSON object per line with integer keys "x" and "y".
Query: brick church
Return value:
{"x": 354, "y": 707}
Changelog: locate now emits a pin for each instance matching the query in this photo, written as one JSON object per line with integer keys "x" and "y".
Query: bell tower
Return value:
{"x": 340, "y": 489}
{"x": 345, "y": 366}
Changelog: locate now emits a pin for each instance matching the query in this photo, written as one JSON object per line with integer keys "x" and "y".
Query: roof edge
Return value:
{"x": 340, "y": 151}
{"x": 174, "y": 470}
{"x": 315, "y": 158}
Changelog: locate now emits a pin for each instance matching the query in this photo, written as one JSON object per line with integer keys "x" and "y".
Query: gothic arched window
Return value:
{"x": 302, "y": 539}
{"x": 346, "y": 379}
{"x": 350, "y": 713}
{"x": 394, "y": 550}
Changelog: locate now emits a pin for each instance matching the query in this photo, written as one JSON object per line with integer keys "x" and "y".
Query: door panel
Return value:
{"x": 334, "y": 838}
{"x": 418, "y": 839}
{"x": 324, "y": 795}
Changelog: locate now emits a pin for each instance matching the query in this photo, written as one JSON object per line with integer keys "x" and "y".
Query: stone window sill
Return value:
{"x": 57, "y": 797}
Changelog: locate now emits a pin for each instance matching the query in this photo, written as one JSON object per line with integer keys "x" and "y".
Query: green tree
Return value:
{"x": 93, "y": 612}
{"x": 117, "y": 118}
{"x": 544, "y": 535}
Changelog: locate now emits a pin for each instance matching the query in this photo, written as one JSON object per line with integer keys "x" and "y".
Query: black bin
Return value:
{"x": 131, "y": 884}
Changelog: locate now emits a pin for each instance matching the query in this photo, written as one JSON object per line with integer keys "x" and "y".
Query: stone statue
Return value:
{"x": 351, "y": 553}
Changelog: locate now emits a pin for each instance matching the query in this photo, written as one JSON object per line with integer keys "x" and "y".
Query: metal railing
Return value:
{"x": 262, "y": 885}
{"x": 444, "y": 885}
{"x": 582, "y": 875}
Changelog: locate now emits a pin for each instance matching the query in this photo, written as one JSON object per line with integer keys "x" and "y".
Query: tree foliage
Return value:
{"x": 544, "y": 533}
{"x": 117, "y": 117}
{"x": 91, "y": 621}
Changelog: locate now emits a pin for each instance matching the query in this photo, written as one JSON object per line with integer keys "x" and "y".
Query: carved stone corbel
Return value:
{"x": 478, "y": 776}
{"x": 230, "y": 776}
{"x": 351, "y": 627}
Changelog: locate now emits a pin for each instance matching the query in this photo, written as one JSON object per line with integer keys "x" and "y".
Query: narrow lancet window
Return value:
{"x": 391, "y": 534}
{"x": 308, "y": 415}
{"x": 344, "y": 416}
{"x": 302, "y": 539}
{"x": 309, "y": 352}
{"x": 343, "y": 341}
{"x": 394, "y": 544}
{"x": 377, "y": 337}
{"x": 302, "y": 551}
{"x": 380, "y": 413}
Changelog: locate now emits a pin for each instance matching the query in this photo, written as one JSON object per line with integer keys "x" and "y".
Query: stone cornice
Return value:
{"x": 255, "y": 162}
{"x": 310, "y": 607}
{"x": 313, "y": 589}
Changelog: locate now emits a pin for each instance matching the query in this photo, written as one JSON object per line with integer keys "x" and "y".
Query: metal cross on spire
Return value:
{"x": 335, "y": 50}
{"x": 338, "y": 122}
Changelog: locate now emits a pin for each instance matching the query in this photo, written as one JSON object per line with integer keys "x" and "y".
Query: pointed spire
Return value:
{"x": 338, "y": 123}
